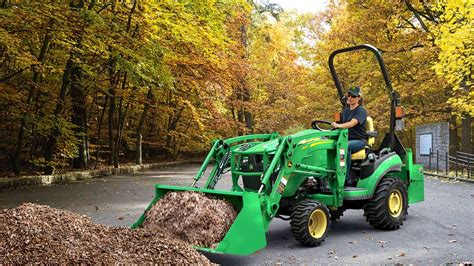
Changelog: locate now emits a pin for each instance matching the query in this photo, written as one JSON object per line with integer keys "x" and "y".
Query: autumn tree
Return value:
{"x": 90, "y": 83}
{"x": 456, "y": 60}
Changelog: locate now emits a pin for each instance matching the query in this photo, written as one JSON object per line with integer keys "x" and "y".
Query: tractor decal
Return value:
{"x": 282, "y": 185}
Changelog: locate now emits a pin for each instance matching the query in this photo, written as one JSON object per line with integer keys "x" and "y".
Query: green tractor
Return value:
{"x": 301, "y": 178}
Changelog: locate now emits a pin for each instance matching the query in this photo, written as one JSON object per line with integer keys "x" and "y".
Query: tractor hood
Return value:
{"x": 260, "y": 148}
{"x": 269, "y": 146}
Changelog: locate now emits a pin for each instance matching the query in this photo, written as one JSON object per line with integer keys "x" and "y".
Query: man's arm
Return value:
{"x": 349, "y": 124}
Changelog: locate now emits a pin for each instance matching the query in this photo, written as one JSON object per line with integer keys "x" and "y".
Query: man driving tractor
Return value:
{"x": 354, "y": 117}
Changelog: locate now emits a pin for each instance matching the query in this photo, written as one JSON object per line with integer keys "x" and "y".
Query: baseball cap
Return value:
{"x": 355, "y": 91}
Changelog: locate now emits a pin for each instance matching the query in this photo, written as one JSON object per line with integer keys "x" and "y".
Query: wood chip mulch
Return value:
{"x": 194, "y": 217}
{"x": 33, "y": 233}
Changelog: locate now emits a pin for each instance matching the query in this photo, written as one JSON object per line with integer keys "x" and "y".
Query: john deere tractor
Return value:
{"x": 301, "y": 178}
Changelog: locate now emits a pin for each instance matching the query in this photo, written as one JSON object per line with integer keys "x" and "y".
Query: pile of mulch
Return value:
{"x": 193, "y": 217}
{"x": 34, "y": 233}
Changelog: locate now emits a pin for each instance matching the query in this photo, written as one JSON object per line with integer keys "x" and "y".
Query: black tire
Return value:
{"x": 387, "y": 209}
{"x": 310, "y": 222}
{"x": 336, "y": 214}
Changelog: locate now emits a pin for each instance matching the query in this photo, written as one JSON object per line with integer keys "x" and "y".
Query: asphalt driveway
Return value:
{"x": 439, "y": 230}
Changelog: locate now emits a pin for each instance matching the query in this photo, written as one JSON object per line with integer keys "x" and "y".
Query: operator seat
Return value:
{"x": 370, "y": 130}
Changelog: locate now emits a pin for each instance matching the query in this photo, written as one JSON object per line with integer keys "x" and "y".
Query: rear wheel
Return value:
{"x": 388, "y": 207}
{"x": 310, "y": 222}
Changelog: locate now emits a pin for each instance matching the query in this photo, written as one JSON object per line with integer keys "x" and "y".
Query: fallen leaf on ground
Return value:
{"x": 120, "y": 218}
{"x": 355, "y": 256}
{"x": 402, "y": 254}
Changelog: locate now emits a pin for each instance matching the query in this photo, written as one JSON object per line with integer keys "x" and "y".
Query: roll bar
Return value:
{"x": 393, "y": 95}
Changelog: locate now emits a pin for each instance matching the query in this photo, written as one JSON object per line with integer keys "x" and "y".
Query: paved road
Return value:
{"x": 439, "y": 230}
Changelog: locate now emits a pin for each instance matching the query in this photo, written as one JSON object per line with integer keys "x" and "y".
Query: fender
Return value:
{"x": 391, "y": 164}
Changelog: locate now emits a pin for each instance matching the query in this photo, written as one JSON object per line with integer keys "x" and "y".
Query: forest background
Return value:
{"x": 83, "y": 82}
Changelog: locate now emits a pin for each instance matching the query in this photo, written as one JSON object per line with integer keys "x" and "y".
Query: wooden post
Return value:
{"x": 468, "y": 167}
{"x": 437, "y": 161}
{"x": 447, "y": 163}
{"x": 429, "y": 161}
{"x": 456, "y": 164}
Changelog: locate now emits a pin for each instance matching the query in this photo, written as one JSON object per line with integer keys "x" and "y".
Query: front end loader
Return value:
{"x": 302, "y": 178}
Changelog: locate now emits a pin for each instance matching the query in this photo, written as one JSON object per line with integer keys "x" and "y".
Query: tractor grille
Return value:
{"x": 246, "y": 146}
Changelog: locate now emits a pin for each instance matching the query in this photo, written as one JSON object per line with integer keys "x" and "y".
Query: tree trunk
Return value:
{"x": 172, "y": 125}
{"x": 5, "y": 3}
{"x": 122, "y": 124}
{"x": 466, "y": 134}
{"x": 138, "y": 135}
{"x": 129, "y": 20}
{"x": 453, "y": 135}
{"x": 52, "y": 139}
{"x": 240, "y": 111}
{"x": 117, "y": 134}
{"x": 247, "y": 114}
{"x": 19, "y": 144}
{"x": 99, "y": 129}
{"x": 113, "y": 78}
{"x": 244, "y": 94}
{"x": 79, "y": 116}
{"x": 111, "y": 126}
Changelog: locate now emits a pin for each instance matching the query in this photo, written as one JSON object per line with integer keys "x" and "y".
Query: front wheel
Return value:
{"x": 388, "y": 207}
{"x": 310, "y": 222}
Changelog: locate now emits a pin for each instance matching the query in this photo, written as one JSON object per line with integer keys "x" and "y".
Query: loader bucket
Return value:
{"x": 245, "y": 236}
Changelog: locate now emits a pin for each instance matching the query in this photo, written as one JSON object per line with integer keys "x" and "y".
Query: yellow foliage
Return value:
{"x": 454, "y": 37}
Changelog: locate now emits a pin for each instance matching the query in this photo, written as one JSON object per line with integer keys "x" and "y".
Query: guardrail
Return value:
{"x": 460, "y": 163}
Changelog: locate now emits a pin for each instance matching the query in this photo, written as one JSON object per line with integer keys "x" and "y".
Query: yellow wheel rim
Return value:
{"x": 395, "y": 203}
{"x": 317, "y": 223}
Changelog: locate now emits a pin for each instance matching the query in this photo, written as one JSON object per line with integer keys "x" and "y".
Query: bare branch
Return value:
{"x": 3, "y": 79}
{"x": 417, "y": 15}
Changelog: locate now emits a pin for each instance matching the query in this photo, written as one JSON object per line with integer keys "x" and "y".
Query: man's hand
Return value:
{"x": 349, "y": 124}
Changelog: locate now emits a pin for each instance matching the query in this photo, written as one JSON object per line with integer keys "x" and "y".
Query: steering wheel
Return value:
{"x": 315, "y": 125}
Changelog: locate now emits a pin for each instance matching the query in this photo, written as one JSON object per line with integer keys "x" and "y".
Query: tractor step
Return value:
{"x": 355, "y": 193}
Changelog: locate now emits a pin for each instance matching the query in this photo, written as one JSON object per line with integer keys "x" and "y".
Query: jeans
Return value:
{"x": 354, "y": 146}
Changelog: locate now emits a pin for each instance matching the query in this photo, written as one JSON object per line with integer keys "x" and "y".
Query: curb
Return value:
{"x": 451, "y": 177}
{"x": 6, "y": 183}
